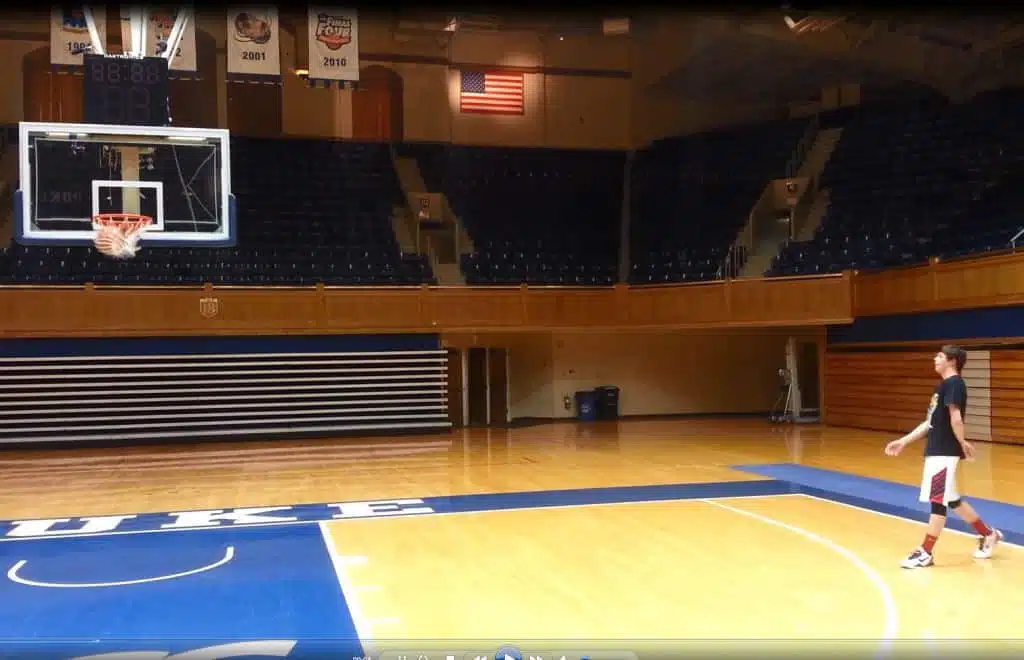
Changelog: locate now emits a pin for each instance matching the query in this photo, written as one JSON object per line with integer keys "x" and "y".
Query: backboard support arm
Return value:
{"x": 94, "y": 34}
{"x": 138, "y": 17}
{"x": 177, "y": 32}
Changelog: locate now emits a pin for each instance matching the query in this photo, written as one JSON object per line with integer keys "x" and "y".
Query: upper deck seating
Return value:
{"x": 309, "y": 211}
{"x": 691, "y": 196}
{"x": 536, "y": 216}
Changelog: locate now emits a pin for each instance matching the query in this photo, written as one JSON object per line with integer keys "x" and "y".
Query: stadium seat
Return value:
{"x": 691, "y": 196}
{"x": 309, "y": 211}
{"x": 913, "y": 181}
{"x": 536, "y": 216}
{"x": 907, "y": 181}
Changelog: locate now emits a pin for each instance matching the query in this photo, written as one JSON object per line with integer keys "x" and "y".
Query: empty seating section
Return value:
{"x": 322, "y": 213}
{"x": 996, "y": 208}
{"x": 309, "y": 211}
{"x": 911, "y": 182}
{"x": 539, "y": 216}
{"x": 690, "y": 196}
{"x": 906, "y": 182}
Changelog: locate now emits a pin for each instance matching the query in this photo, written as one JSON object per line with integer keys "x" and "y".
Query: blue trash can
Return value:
{"x": 586, "y": 406}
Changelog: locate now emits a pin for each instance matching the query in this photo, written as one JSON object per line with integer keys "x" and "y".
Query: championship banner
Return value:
{"x": 254, "y": 43}
{"x": 69, "y": 35}
{"x": 333, "y": 44}
{"x": 161, "y": 21}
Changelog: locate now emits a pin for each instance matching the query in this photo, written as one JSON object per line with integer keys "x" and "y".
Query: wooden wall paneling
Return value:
{"x": 36, "y": 93}
{"x": 881, "y": 391}
{"x": 50, "y": 94}
{"x": 1008, "y": 396}
{"x": 890, "y": 391}
{"x": 70, "y": 96}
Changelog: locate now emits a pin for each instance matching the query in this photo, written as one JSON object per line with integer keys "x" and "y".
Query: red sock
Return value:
{"x": 929, "y": 543}
{"x": 981, "y": 527}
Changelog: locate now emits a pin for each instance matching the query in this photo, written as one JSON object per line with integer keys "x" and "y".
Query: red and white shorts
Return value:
{"x": 938, "y": 484}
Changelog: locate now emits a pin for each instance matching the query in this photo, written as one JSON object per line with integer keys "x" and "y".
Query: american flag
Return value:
{"x": 491, "y": 93}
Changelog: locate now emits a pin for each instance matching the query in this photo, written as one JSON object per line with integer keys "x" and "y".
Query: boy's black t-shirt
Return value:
{"x": 941, "y": 440}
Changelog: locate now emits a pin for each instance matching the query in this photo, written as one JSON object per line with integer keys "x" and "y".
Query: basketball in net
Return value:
{"x": 117, "y": 234}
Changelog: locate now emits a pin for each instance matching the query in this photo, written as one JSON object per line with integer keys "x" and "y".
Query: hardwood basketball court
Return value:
{"x": 568, "y": 538}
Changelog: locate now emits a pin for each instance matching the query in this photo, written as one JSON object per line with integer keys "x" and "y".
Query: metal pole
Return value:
{"x": 138, "y": 17}
{"x": 177, "y": 33}
{"x": 94, "y": 33}
{"x": 1016, "y": 237}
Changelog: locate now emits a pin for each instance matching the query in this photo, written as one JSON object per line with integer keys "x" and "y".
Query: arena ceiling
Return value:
{"x": 551, "y": 22}
{"x": 763, "y": 56}
{"x": 749, "y": 68}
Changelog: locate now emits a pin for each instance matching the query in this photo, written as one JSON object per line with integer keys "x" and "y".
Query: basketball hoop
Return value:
{"x": 117, "y": 234}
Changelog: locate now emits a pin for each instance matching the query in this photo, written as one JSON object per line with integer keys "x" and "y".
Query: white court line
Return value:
{"x": 888, "y": 601}
{"x": 362, "y": 624}
{"x": 9, "y": 539}
{"x": 12, "y": 574}
{"x": 948, "y": 529}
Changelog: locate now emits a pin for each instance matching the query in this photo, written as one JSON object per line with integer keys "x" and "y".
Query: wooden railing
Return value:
{"x": 941, "y": 285}
{"x": 92, "y": 311}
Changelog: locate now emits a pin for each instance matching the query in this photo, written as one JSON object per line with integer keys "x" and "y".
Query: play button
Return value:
{"x": 508, "y": 653}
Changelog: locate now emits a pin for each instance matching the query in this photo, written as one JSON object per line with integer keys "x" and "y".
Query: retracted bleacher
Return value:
{"x": 224, "y": 388}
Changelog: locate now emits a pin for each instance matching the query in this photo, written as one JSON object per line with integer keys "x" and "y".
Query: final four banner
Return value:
{"x": 254, "y": 43}
{"x": 161, "y": 21}
{"x": 69, "y": 35}
{"x": 333, "y": 44}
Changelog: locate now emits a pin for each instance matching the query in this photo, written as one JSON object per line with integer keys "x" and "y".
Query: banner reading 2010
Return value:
{"x": 333, "y": 44}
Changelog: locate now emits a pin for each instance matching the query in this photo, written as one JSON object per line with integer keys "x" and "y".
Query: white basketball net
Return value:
{"x": 118, "y": 238}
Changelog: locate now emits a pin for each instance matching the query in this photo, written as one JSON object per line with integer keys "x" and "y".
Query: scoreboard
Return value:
{"x": 124, "y": 90}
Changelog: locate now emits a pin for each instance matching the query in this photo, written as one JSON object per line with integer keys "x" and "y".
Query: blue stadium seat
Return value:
{"x": 309, "y": 211}
{"x": 691, "y": 196}
{"x": 912, "y": 181}
{"x": 536, "y": 216}
{"x": 907, "y": 181}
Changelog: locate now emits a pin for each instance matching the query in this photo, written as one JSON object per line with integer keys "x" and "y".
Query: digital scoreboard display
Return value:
{"x": 121, "y": 90}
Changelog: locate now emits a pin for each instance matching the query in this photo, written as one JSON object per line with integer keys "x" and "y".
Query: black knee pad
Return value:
{"x": 938, "y": 509}
{"x": 954, "y": 504}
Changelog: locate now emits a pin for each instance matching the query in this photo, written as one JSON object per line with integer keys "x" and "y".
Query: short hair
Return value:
{"x": 956, "y": 354}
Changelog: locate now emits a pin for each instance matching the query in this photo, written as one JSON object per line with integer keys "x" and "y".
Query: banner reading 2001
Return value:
{"x": 333, "y": 44}
{"x": 254, "y": 42}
